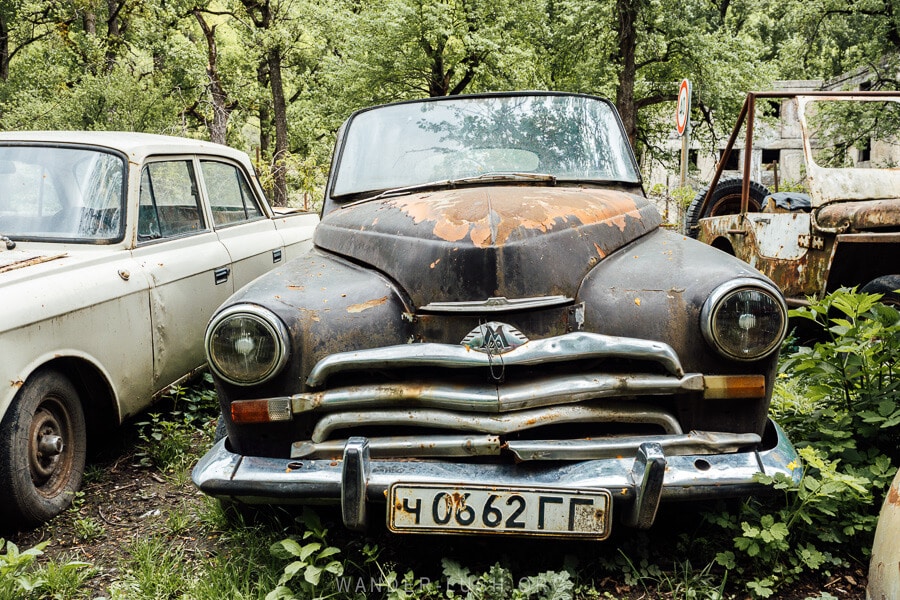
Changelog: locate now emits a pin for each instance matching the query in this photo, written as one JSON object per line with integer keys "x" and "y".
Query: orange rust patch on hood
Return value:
{"x": 489, "y": 216}
{"x": 358, "y": 308}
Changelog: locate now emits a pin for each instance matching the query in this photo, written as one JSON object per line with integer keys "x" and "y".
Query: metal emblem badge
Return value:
{"x": 494, "y": 338}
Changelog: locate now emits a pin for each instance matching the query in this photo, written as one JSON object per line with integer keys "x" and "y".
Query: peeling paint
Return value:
{"x": 358, "y": 308}
{"x": 491, "y": 217}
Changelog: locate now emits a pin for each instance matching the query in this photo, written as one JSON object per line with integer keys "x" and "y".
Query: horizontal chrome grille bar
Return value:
{"x": 571, "y": 346}
{"x": 497, "y": 305}
{"x": 498, "y": 424}
{"x": 444, "y": 446}
{"x": 695, "y": 442}
{"x": 495, "y": 398}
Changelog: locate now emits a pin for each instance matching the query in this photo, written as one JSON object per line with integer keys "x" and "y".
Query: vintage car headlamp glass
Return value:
{"x": 744, "y": 319}
{"x": 246, "y": 344}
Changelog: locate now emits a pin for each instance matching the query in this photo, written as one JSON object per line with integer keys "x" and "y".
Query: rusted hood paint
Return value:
{"x": 476, "y": 243}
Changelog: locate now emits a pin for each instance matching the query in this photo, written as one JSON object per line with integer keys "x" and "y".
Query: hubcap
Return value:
{"x": 50, "y": 458}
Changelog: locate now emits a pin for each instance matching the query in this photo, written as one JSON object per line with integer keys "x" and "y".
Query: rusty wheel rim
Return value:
{"x": 50, "y": 452}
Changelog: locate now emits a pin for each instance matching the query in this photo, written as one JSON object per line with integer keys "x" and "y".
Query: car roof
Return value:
{"x": 136, "y": 145}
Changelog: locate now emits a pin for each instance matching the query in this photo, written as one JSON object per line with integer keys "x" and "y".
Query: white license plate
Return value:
{"x": 423, "y": 507}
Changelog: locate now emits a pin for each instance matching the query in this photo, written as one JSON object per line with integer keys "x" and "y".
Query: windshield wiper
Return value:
{"x": 483, "y": 178}
{"x": 10, "y": 245}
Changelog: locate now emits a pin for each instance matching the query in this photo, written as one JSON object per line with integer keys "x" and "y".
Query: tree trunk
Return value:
{"x": 627, "y": 12}
{"x": 279, "y": 114}
{"x": 221, "y": 111}
{"x": 113, "y": 33}
{"x": 89, "y": 20}
{"x": 4, "y": 49}
{"x": 265, "y": 116}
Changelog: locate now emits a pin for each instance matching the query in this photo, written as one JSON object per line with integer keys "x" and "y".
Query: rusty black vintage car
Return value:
{"x": 493, "y": 334}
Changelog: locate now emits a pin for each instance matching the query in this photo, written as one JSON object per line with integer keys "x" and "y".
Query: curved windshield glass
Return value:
{"x": 53, "y": 193}
{"x": 574, "y": 138}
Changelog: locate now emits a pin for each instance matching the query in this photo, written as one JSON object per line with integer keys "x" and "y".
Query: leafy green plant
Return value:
{"x": 312, "y": 563}
{"x": 497, "y": 584}
{"x": 854, "y": 375}
{"x": 168, "y": 440}
{"x": 838, "y": 400}
{"x": 17, "y": 577}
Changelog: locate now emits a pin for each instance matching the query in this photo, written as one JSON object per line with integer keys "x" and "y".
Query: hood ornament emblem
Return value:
{"x": 494, "y": 338}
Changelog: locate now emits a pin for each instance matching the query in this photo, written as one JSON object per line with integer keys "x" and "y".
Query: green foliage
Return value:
{"x": 168, "y": 440}
{"x": 853, "y": 378}
{"x": 310, "y": 562}
{"x": 497, "y": 584}
{"x": 20, "y": 576}
{"x": 838, "y": 402}
{"x": 16, "y": 574}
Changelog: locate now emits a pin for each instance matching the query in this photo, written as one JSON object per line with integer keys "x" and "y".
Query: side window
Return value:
{"x": 230, "y": 195}
{"x": 170, "y": 202}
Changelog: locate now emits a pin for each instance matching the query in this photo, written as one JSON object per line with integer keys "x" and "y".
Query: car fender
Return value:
{"x": 884, "y": 566}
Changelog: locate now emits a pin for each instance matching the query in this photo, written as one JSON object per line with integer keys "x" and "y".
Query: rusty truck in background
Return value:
{"x": 839, "y": 225}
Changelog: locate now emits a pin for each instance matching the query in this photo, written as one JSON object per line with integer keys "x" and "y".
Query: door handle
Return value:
{"x": 221, "y": 275}
{"x": 276, "y": 256}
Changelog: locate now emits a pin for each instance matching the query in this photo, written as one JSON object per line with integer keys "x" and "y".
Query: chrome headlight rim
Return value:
{"x": 717, "y": 297}
{"x": 269, "y": 321}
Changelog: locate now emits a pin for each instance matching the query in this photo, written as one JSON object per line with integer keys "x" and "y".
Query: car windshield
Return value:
{"x": 571, "y": 138}
{"x": 61, "y": 193}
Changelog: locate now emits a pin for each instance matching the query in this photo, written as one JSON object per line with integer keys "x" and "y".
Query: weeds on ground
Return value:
{"x": 168, "y": 440}
{"x": 839, "y": 401}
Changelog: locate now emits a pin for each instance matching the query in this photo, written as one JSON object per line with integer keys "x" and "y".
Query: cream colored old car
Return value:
{"x": 115, "y": 249}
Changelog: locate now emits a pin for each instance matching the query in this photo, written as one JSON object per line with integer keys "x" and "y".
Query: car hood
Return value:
{"x": 477, "y": 243}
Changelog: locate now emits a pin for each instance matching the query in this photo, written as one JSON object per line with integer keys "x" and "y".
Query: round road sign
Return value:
{"x": 683, "y": 113}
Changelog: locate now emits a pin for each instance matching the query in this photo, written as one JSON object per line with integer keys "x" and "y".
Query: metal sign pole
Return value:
{"x": 683, "y": 126}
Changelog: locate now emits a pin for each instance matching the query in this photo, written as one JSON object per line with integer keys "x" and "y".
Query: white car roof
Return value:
{"x": 136, "y": 145}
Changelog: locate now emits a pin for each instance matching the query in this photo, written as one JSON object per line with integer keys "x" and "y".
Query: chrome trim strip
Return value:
{"x": 695, "y": 442}
{"x": 495, "y": 398}
{"x": 449, "y": 446}
{"x": 570, "y": 346}
{"x": 497, "y": 304}
{"x": 445, "y": 446}
{"x": 497, "y": 424}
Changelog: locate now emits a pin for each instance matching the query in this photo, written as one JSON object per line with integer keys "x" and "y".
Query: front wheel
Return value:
{"x": 43, "y": 444}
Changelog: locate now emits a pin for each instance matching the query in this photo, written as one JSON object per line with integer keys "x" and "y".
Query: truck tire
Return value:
{"x": 726, "y": 200}
{"x": 43, "y": 443}
{"x": 887, "y": 286}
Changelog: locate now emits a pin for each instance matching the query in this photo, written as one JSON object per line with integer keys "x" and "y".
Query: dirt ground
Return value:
{"x": 130, "y": 501}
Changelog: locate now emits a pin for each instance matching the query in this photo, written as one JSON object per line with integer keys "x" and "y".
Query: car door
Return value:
{"x": 248, "y": 234}
{"x": 188, "y": 267}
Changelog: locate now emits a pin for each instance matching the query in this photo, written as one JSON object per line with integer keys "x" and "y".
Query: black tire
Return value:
{"x": 43, "y": 442}
{"x": 726, "y": 200}
{"x": 887, "y": 286}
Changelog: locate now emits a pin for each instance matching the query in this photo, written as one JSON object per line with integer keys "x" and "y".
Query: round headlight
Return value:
{"x": 744, "y": 319}
{"x": 246, "y": 344}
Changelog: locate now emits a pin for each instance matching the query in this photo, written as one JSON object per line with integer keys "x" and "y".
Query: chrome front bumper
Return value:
{"x": 638, "y": 483}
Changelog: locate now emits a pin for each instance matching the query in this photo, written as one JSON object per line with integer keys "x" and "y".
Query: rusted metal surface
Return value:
{"x": 483, "y": 242}
{"x": 850, "y": 217}
{"x": 884, "y": 566}
{"x": 21, "y": 260}
{"x": 848, "y": 239}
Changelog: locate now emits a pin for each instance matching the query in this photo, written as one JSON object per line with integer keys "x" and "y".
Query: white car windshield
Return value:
{"x": 60, "y": 193}
{"x": 567, "y": 137}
